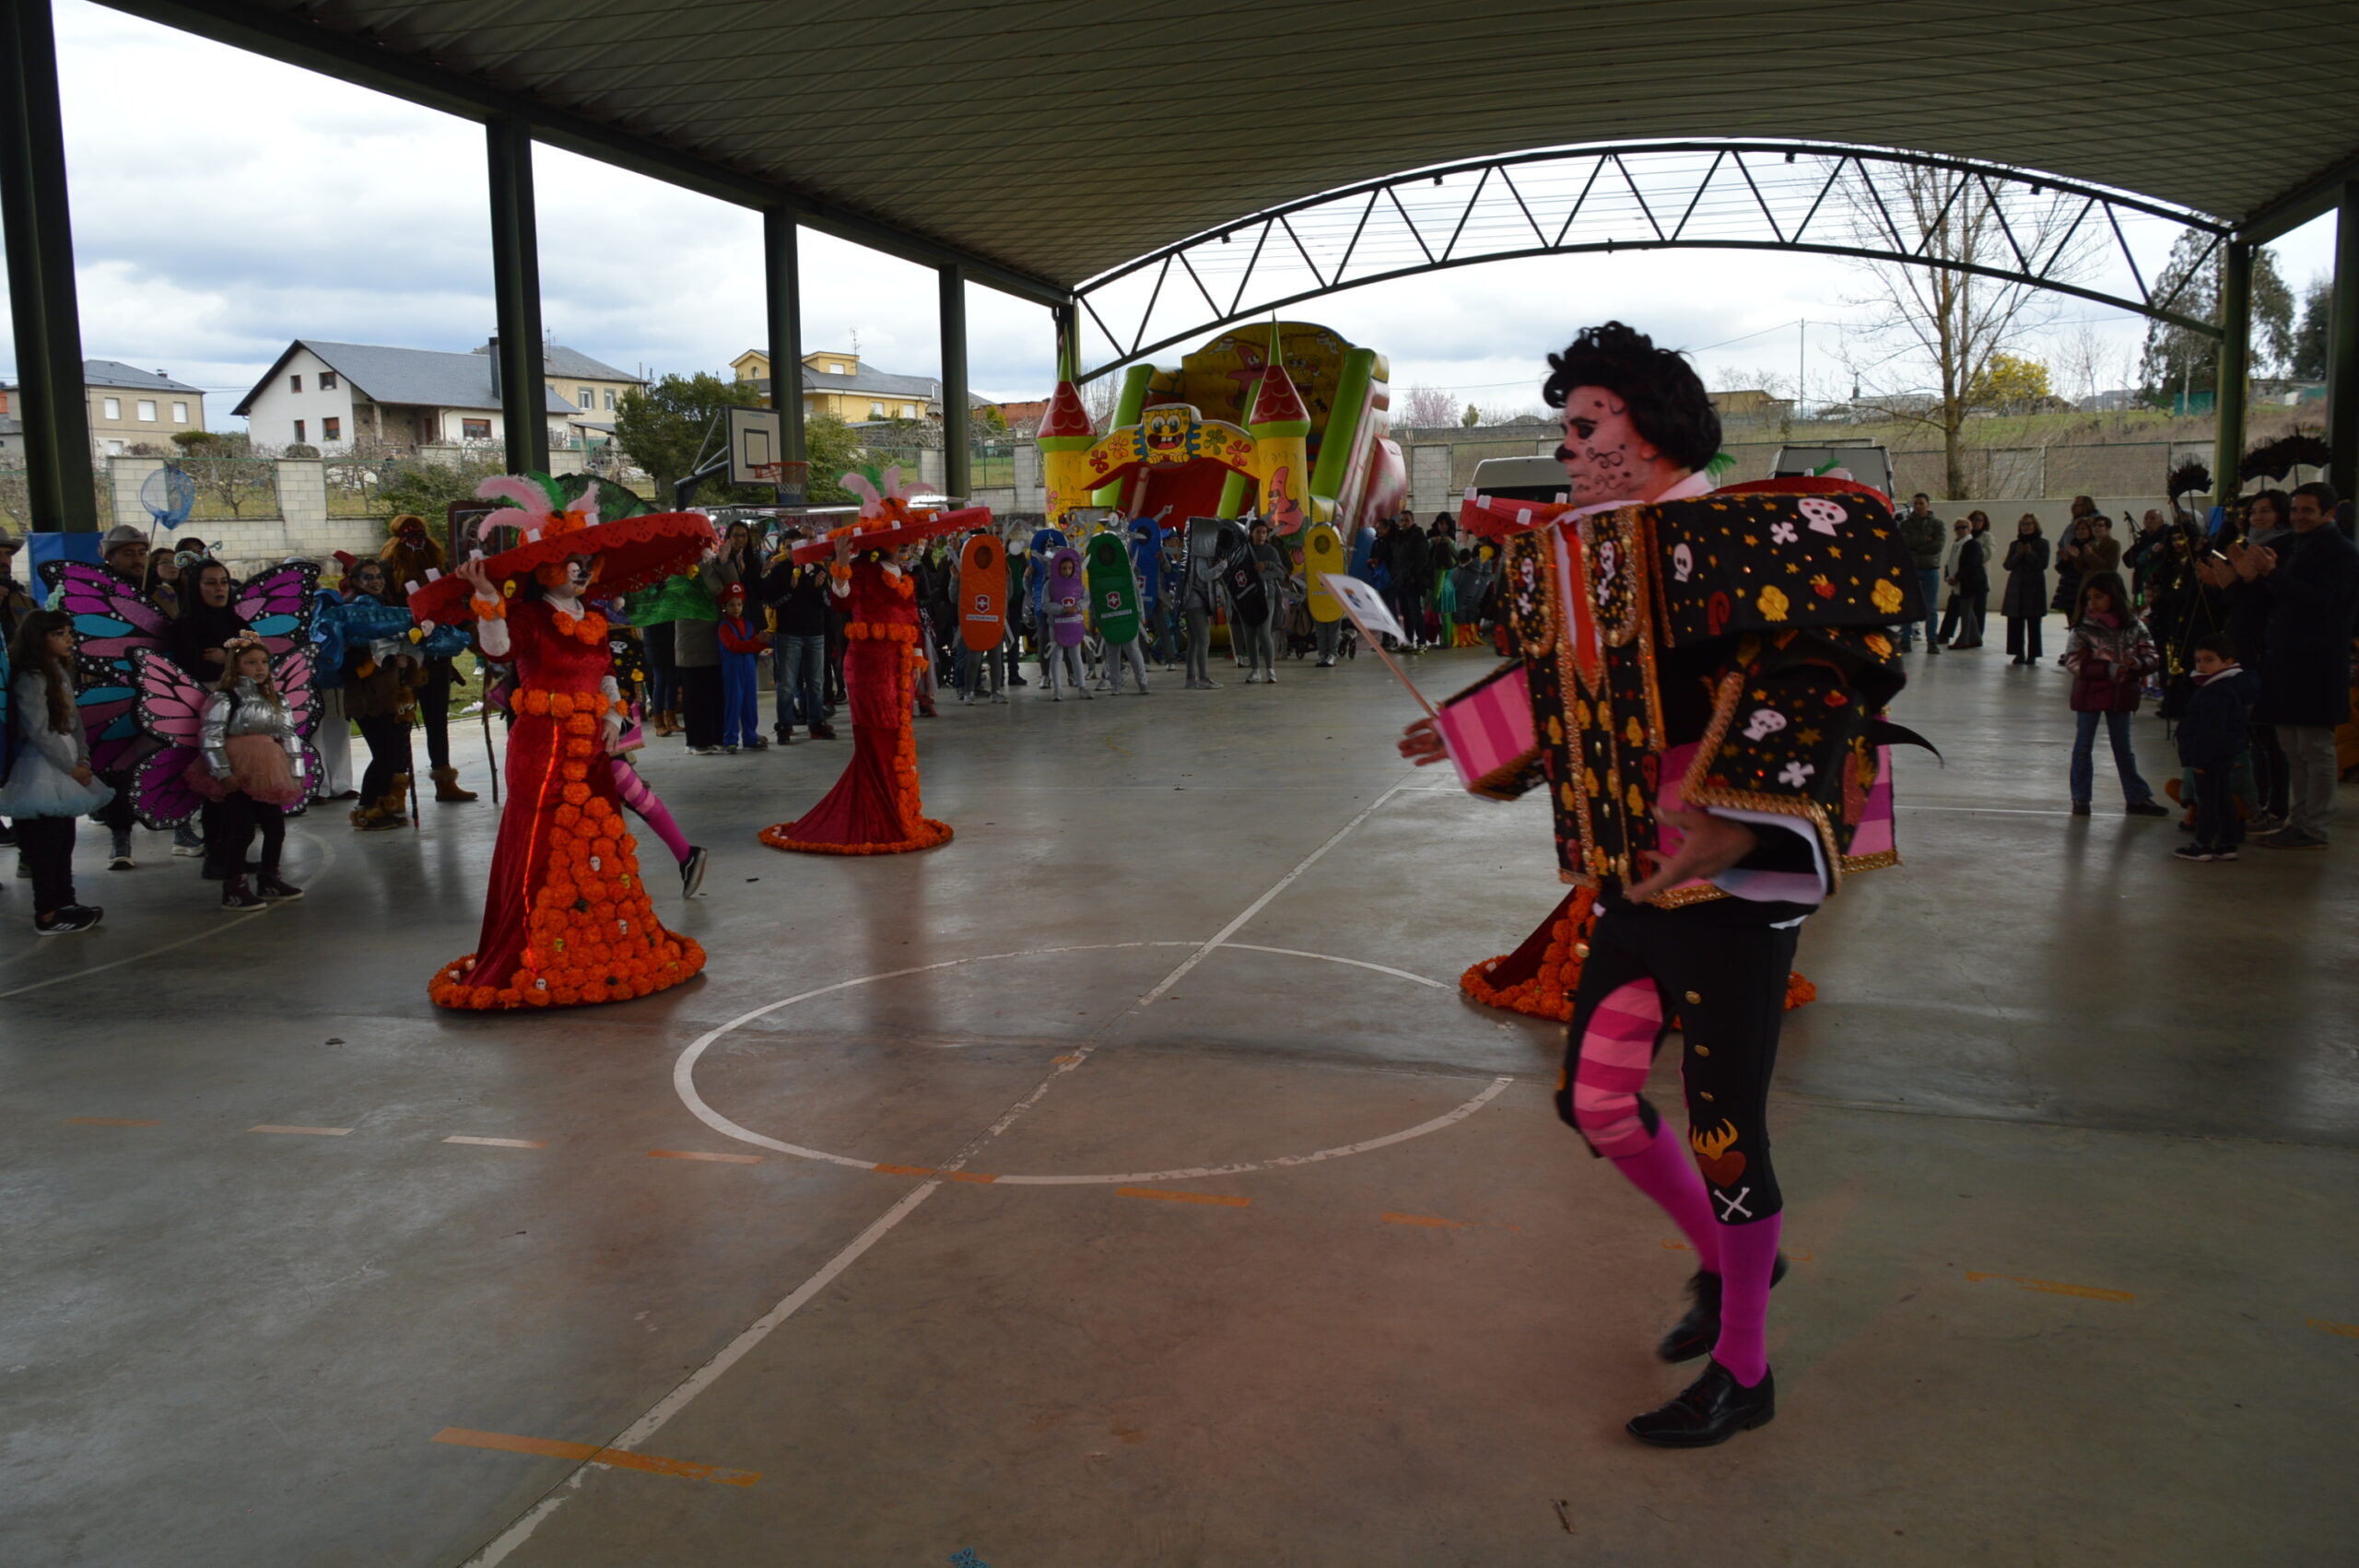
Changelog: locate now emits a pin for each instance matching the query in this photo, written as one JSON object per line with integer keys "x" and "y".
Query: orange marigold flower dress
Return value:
{"x": 567, "y": 919}
{"x": 1538, "y": 978}
{"x": 874, "y": 807}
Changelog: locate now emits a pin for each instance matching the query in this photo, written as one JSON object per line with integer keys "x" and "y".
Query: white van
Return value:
{"x": 1519, "y": 479}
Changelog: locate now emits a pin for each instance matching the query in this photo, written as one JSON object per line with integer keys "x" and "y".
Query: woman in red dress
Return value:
{"x": 566, "y": 919}
{"x": 874, "y": 807}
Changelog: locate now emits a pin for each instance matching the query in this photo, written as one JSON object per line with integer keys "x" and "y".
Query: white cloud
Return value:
{"x": 224, "y": 203}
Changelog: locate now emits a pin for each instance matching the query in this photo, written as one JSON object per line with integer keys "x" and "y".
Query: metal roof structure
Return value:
{"x": 1049, "y": 141}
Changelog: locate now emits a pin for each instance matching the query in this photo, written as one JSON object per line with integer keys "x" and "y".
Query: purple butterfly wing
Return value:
{"x": 313, "y": 771}
{"x": 277, "y": 604}
{"x": 161, "y": 793}
{"x": 110, "y": 707}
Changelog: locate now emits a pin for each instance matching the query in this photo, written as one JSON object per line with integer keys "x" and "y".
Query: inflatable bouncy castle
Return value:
{"x": 1287, "y": 420}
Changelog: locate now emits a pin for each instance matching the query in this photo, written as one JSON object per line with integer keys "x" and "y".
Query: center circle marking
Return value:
{"x": 683, "y": 1070}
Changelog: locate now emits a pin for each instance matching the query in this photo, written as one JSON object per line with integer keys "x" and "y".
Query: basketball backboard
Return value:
{"x": 755, "y": 446}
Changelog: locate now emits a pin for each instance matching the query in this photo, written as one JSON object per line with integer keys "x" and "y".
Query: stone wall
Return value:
{"x": 301, "y": 527}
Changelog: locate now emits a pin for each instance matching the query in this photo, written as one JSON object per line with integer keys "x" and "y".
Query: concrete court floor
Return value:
{"x": 2069, "y": 1143}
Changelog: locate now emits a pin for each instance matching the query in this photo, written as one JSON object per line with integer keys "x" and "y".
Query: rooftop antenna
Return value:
{"x": 855, "y": 341}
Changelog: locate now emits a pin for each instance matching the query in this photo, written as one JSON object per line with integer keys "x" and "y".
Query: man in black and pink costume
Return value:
{"x": 1706, "y": 673}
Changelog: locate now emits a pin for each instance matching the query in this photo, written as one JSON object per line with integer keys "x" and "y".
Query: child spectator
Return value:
{"x": 2110, "y": 656}
{"x": 741, "y": 659}
{"x": 2212, "y": 742}
{"x": 50, "y": 782}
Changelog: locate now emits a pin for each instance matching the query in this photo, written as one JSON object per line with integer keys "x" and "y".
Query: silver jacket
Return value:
{"x": 246, "y": 712}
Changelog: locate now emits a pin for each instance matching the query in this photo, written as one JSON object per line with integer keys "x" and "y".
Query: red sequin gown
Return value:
{"x": 874, "y": 807}
{"x": 565, "y": 919}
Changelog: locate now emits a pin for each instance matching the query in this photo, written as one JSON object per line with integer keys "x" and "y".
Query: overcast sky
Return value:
{"x": 225, "y": 204}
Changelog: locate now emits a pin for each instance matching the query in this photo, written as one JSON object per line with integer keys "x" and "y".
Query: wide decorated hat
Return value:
{"x": 887, "y": 518}
{"x": 543, "y": 525}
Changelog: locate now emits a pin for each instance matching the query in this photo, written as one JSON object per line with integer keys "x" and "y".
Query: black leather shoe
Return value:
{"x": 1696, "y": 1333}
{"x": 1712, "y": 1410}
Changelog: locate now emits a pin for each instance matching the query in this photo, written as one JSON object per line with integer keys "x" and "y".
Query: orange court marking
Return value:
{"x": 2349, "y": 1330}
{"x": 977, "y": 1178}
{"x": 304, "y": 1132}
{"x": 2053, "y": 1288}
{"x": 500, "y": 1142}
{"x": 111, "y": 1121}
{"x": 1167, "y": 1197}
{"x": 692, "y": 1154}
{"x": 1433, "y": 1221}
{"x": 591, "y": 1452}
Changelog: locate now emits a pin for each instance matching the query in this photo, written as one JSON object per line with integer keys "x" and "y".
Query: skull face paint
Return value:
{"x": 1604, "y": 457}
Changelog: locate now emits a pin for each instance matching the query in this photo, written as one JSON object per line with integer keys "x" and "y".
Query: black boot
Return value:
{"x": 1712, "y": 1410}
{"x": 1696, "y": 1333}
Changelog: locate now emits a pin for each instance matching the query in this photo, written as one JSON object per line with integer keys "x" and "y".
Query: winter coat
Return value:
{"x": 1928, "y": 539}
{"x": 696, "y": 641}
{"x": 2073, "y": 563}
{"x": 1973, "y": 568}
{"x": 2212, "y": 732}
{"x": 2313, "y": 597}
{"x": 2026, "y": 594}
{"x": 2110, "y": 656}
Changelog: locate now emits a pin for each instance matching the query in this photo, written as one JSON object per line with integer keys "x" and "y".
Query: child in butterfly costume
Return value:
{"x": 144, "y": 710}
{"x": 566, "y": 918}
{"x": 250, "y": 764}
{"x": 1704, "y": 673}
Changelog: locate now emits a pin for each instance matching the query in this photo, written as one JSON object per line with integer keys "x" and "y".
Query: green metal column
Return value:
{"x": 1068, "y": 319}
{"x": 52, "y": 396}
{"x": 2343, "y": 349}
{"x": 958, "y": 458}
{"x": 2235, "y": 318}
{"x": 516, "y": 287}
{"x": 782, "y": 292}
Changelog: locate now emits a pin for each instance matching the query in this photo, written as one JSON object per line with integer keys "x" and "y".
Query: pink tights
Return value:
{"x": 1616, "y": 1051}
{"x": 642, "y": 800}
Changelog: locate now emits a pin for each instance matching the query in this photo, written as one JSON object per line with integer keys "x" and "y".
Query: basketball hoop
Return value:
{"x": 784, "y": 474}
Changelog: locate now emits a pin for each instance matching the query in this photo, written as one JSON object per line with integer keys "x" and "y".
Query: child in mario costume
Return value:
{"x": 742, "y": 646}
{"x": 1705, "y": 670}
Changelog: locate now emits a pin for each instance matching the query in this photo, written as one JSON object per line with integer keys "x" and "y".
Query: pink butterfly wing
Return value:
{"x": 296, "y": 677}
{"x": 278, "y": 605}
{"x": 111, "y": 616}
{"x": 172, "y": 705}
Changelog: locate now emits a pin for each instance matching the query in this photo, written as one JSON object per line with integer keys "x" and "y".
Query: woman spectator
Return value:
{"x": 2268, "y": 520}
{"x": 364, "y": 646}
{"x": 1953, "y": 608}
{"x": 164, "y": 578}
{"x": 198, "y": 641}
{"x": 2024, "y": 603}
{"x": 2072, "y": 563}
{"x": 2110, "y": 656}
{"x": 1974, "y": 580}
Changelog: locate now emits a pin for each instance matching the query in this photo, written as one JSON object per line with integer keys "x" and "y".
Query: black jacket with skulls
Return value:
{"x": 1726, "y": 652}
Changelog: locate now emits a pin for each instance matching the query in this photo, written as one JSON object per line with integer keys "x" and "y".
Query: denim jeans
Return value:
{"x": 799, "y": 666}
{"x": 1929, "y": 582}
{"x": 2116, "y": 730}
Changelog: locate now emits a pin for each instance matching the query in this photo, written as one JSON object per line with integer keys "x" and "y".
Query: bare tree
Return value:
{"x": 1776, "y": 383}
{"x": 1100, "y": 398}
{"x": 1935, "y": 316}
{"x": 1427, "y": 408}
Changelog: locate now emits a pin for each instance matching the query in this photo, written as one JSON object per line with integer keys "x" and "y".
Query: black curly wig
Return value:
{"x": 1665, "y": 397}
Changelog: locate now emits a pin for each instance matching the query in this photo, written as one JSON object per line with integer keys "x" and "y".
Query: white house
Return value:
{"x": 331, "y": 394}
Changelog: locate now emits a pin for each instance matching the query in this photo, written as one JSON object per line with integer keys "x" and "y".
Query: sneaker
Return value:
{"x": 68, "y": 921}
{"x": 276, "y": 889}
{"x": 1932, "y": 648}
{"x": 999, "y": 696}
{"x": 1326, "y": 663}
{"x": 237, "y": 898}
{"x": 120, "y": 860}
{"x": 2260, "y": 824}
{"x": 2079, "y": 807}
{"x": 2147, "y": 807}
{"x": 2290, "y": 839}
{"x": 2224, "y": 854}
{"x": 704, "y": 751}
{"x": 759, "y": 744}
{"x": 1015, "y": 680}
{"x": 692, "y": 872}
{"x": 187, "y": 851}
{"x": 2196, "y": 852}
{"x": 728, "y": 751}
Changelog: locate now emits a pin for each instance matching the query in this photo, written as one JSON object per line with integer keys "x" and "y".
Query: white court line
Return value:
{"x": 522, "y": 1530}
{"x": 697, "y": 1382}
{"x": 1262, "y": 902}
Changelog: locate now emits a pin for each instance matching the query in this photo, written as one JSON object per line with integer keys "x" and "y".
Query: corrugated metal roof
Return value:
{"x": 861, "y": 381}
{"x": 115, "y": 373}
{"x": 422, "y": 376}
{"x": 1062, "y": 139}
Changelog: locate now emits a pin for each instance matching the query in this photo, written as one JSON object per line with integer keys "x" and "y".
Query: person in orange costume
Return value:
{"x": 566, "y": 918}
